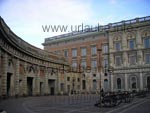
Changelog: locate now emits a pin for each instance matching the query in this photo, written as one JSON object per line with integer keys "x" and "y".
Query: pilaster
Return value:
{"x": 46, "y": 82}
{"x": 4, "y": 74}
{"x": 17, "y": 77}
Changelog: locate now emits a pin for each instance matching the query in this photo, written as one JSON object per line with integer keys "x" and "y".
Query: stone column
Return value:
{"x": 25, "y": 80}
{"x": 126, "y": 82}
{"x": 37, "y": 83}
{"x": 138, "y": 39}
{"x": 4, "y": 75}
{"x": 111, "y": 60}
{"x": 110, "y": 43}
{"x": 17, "y": 77}
{"x": 124, "y": 41}
{"x": 112, "y": 82}
{"x": 139, "y": 57}
{"x": 125, "y": 59}
{"x": 46, "y": 83}
{"x": 141, "y": 81}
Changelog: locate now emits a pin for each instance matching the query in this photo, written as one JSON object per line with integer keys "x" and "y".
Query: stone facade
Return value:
{"x": 26, "y": 70}
{"x": 129, "y": 55}
{"x": 123, "y": 63}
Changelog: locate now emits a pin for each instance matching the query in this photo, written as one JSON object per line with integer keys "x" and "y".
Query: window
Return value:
{"x": 83, "y": 51}
{"x": 68, "y": 78}
{"x": 83, "y": 64}
{"x": 133, "y": 82}
{"x": 93, "y": 50}
{"x": 118, "y": 46}
{"x": 105, "y": 48}
{"x": 118, "y": 83}
{"x": 147, "y": 58}
{"x": 105, "y": 62}
{"x": 132, "y": 59}
{"x": 94, "y": 64}
{"x": 74, "y": 52}
{"x": 74, "y": 64}
{"x": 118, "y": 61}
{"x": 147, "y": 42}
{"x": 65, "y": 53}
{"x": 131, "y": 44}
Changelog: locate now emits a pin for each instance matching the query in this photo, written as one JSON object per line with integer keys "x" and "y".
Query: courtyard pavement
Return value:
{"x": 70, "y": 104}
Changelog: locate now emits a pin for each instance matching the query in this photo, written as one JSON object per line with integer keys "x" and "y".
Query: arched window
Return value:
{"x": 133, "y": 83}
{"x": 119, "y": 83}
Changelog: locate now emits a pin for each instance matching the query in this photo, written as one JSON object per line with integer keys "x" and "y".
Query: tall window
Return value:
{"x": 65, "y": 53}
{"x": 74, "y": 52}
{"x": 105, "y": 48}
{"x": 118, "y": 60}
{"x": 147, "y": 58}
{"x": 83, "y": 64}
{"x": 132, "y": 59}
{"x": 118, "y": 83}
{"x": 133, "y": 82}
{"x": 118, "y": 46}
{"x": 131, "y": 44}
{"x": 93, "y": 50}
{"x": 74, "y": 64}
{"x": 94, "y": 64}
{"x": 147, "y": 42}
{"x": 105, "y": 63}
{"x": 83, "y": 51}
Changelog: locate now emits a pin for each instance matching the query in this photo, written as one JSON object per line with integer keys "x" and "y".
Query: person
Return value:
{"x": 102, "y": 92}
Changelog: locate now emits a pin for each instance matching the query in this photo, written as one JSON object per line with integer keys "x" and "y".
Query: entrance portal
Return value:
{"x": 148, "y": 83}
{"x": 29, "y": 85}
{"x": 8, "y": 83}
{"x": 51, "y": 84}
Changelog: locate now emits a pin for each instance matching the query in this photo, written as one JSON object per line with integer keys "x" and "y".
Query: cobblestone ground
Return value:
{"x": 60, "y": 104}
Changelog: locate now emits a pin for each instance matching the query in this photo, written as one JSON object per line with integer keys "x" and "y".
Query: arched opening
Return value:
{"x": 94, "y": 84}
{"x": 118, "y": 83}
{"x": 148, "y": 83}
{"x": 106, "y": 85}
{"x": 133, "y": 83}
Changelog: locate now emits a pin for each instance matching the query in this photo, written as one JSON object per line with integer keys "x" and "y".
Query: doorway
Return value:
{"x": 29, "y": 85}
{"x": 148, "y": 83}
{"x": 51, "y": 84}
{"x": 9, "y": 84}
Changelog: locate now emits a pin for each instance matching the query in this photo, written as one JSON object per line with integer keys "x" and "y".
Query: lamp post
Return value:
{"x": 99, "y": 70}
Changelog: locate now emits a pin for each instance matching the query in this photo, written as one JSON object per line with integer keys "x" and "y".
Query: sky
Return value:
{"x": 26, "y": 17}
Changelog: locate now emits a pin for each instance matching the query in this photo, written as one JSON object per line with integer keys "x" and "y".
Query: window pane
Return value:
{"x": 105, "y": 48}
{"x": 118, "y": 61}
{"x": 132, "y": 60}
{"x": 83, "y": 63}
{"x": 147, "y": 42}
{"x": 94, "y": 64}
{"x": 118, "y": 46}
{"x": 83, "y": 51}
{"x": 93, "y": 50}
{"x": 147, "y": 59}
{"x": 105, "y": 62}
{"x": 131, "y": 44}
{"x": 74, "y": 64}
{"x": 66, "y": 53}
{"x": 74, "y": 52}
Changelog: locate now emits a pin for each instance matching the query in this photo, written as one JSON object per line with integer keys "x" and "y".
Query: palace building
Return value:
{"x": 118, "y": 55}
{"x": 115, "y": 57}
{"x": 26, "y": 70}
